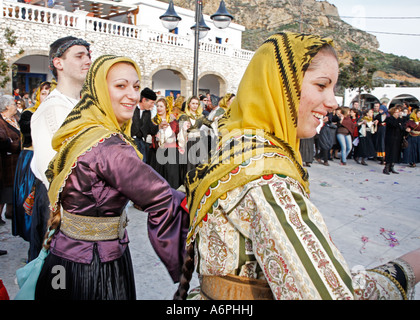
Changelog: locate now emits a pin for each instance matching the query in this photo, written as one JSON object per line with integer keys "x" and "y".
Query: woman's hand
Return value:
{"x": 186, "y": 125}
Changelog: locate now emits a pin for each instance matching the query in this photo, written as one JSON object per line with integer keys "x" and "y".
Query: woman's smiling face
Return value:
{"x": 161, "y": 109}
{"x": 124, "y": 90}
{"x": 317, "y": 94}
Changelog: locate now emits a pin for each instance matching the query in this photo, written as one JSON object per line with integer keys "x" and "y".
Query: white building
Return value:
{"x": 389, "y": 95}
{"x": 165, "y": 59}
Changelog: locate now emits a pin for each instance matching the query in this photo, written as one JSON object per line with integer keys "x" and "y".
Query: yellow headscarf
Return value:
{"x": 157, "y": 118}
{"x": 170, "y": 101}
{"x": 223, "y": 102}
{"x": 38, "y": 95}
{"x": 178, "y": 107}
{"x": 199, "y": 111}
{"x": 413, "y": 115}
{"x": 90, "y": 121}
{"x": 266, "y": 106}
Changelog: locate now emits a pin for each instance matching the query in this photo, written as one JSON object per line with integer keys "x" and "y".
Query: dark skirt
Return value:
{"x": 365, "y": 148}
{"x": 195, "y": 153}
{"x": 380, "y": 139}
{"x": 307, "y": 150}
{"x": 24, "y": 181}
{"x": 112, "y": 280}
{"x": 411, "y": 154}
{"x": 40, "y": 216}
{"x": 166, "y": 163}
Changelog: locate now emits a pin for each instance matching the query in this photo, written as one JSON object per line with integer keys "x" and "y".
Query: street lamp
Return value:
{"x": 170, "y": 19}
{"x": 221, "y": 20}
{"x": 222, "y": 17}
{"x": 203, "y": 29}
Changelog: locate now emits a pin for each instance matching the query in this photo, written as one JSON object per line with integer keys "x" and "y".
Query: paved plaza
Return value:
{"x": 372, "y": 218}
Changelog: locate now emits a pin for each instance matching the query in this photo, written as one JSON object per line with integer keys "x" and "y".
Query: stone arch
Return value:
{"x": 367, "y": 100}
{"x": 29, "y": 52}
{"x": 166, "y": 77}
{"x": 401, "y": 98}
{"x": 216, "y": 77}
{"x": 33, "y": 68}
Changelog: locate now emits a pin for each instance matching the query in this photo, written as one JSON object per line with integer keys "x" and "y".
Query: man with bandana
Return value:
{"x": 69, "y": 62}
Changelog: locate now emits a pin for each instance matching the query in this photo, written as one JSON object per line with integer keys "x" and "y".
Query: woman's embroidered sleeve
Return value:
{"x": 394, "y": 280}
{"x": 293, "y": 247}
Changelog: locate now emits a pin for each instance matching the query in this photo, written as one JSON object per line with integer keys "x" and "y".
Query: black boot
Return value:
{"x": 386, "y": 169}
{"x": 392, "y": 169}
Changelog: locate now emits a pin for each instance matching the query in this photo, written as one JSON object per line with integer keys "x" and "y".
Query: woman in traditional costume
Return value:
{"x": 254, "y": 232}
{"x": 96, "y": 171}
{"x": 166, "y": 154}
{"x": 380, "y": 133}
{"x": 24, "y": 177}
{"x": 354, "y": 117}
{"x": 193, "y": 142}
{"x": 411, "y": 154}
{"x": 367, "y": 127}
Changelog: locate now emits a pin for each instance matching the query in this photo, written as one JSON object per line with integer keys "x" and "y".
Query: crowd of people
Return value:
{"x": 175, "y": 134}
{"x": 94, "y": 140}
{"x": 378, "y": 134}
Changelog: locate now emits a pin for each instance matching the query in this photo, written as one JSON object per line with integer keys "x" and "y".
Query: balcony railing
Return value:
{"x": 80, "y": 20}
{"x": 37, "y": 14}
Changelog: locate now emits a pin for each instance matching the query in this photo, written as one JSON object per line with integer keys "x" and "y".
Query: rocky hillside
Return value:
{"x": 262, "y": 18}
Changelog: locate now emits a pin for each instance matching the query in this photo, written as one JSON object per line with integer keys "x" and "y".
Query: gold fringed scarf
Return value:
{"x": 413, "y": 115}
{"x": 263, "y": 116}
{"x": 90, "y": 121}
{"x": 367, "y": 118}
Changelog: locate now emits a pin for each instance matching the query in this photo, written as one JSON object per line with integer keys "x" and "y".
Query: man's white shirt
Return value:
{"x": 44, "y": 123}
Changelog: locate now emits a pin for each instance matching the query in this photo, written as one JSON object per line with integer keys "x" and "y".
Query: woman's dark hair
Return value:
{"x": 326, "y": 48}
{"x": 187, "y": 271}
{"x": 398, "y": 107}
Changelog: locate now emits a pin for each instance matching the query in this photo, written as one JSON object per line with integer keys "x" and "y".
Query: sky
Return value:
{"x": 363, "y": 15}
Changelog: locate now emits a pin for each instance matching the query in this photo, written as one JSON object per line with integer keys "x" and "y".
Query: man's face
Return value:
{"x": 146, "y": 104}
{"x": 74, "y": 63}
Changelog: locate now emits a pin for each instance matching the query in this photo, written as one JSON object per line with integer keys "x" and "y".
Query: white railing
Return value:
{"x": 167, "y": 38}
{"x": 31, "y": 13}
{"x": 80, "y": 20}
{"x": 111, "y": 27}
{"x": 213, "y": 48}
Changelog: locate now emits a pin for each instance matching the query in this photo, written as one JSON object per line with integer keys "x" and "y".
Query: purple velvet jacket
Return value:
{"x": 104, "y": 180}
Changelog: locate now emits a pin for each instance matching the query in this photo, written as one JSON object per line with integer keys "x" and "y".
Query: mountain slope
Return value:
{"x": 262, "y": 18}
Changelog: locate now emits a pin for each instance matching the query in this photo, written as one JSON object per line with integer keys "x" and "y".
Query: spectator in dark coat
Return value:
{"x": 9, "y": 150}
{"x": 393, "y": 139}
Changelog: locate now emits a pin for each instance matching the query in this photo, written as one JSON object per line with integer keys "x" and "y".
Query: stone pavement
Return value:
{"x": 358, "y": 203}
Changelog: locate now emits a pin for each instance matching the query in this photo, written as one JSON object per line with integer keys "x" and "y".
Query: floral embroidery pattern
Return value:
{"x": 245, "y": 213}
